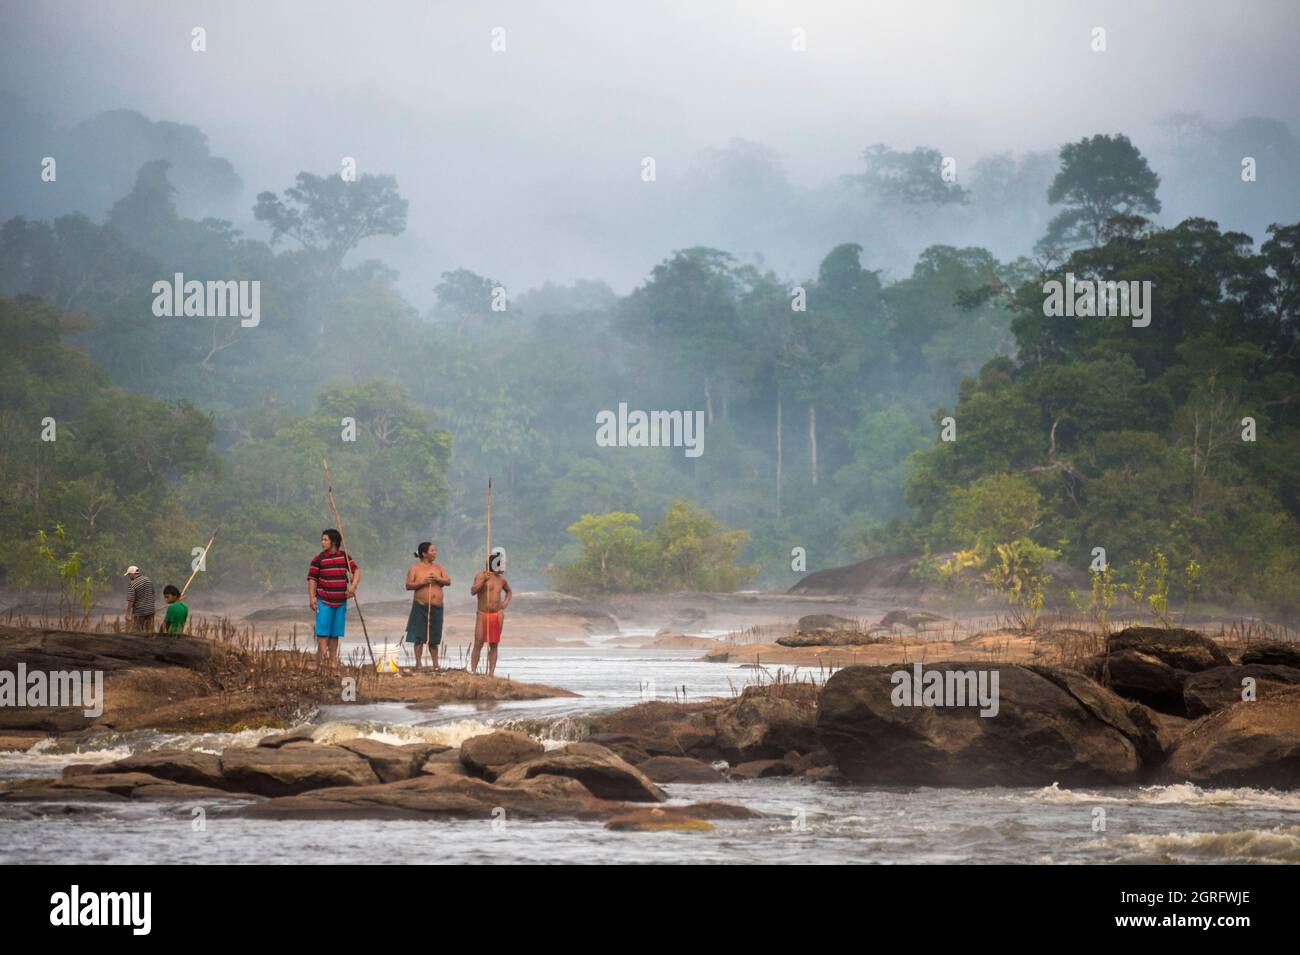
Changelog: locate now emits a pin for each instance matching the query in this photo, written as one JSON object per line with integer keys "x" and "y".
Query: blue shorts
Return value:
{"x": 330, "y": 620}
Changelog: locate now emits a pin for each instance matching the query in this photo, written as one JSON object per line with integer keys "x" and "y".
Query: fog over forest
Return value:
{"x": 525, "y": 165}
{"x": 643, "y": 190}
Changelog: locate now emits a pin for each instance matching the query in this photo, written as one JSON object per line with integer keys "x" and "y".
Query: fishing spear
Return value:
{"x": 201, "y": 563}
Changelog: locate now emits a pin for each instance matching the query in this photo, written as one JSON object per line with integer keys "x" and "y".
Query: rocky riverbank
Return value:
{"x": 291, "y": 776}
{"x": 1157, "y": 705}
{"x": 195, "y": 684}
{"x": 1151, "y": 706}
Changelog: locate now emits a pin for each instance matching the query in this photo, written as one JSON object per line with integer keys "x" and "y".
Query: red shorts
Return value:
{"x": 491, "y": 626}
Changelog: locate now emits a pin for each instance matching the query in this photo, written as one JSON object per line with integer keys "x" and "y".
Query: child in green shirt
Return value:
{"x": 177, "y": 612}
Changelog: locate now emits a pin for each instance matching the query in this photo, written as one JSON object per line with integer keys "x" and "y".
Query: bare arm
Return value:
{"x": 356, "y": 581}
{"x": 311, "y": 592}
{"x": 506, "y": 593}
{"x": 479, "y": 580}
{"x": 411, "y": 582}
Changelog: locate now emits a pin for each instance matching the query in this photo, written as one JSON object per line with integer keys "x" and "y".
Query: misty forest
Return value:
{"x": 824, "y": 389}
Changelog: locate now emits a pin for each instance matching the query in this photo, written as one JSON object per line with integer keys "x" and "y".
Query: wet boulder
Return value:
{"x": 1067, "y": 730}
{"x": 1143, "y": 678}
{"x": 766, "y": 726}
{"x": 1176, "y": 647}
{"x": 761, "y": 769}
{"x": 1248, "y": 744}
{"x": 1273, "y": 653}
{"x": 449, "y": 796}
{"x": 490, "y": 754}
{"x": 600, "y": 770}
{"x": 1216, "y": 689}
{"x": 825, "y": 621}
{"x": 680, "y": 769}
{"x": 390, "y": 763}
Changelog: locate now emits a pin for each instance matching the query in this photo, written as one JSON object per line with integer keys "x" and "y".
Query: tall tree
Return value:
{"x": 329, "y": 216}
{"x": 1100, "y": 177}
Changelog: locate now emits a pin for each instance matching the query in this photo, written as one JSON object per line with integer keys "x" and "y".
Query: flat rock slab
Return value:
{"x": 21, "y": 740}
{"x": 290, "y": 770}
{"x": 442, "y": 796}
{"x": 43, "y": 649}
{"x": 105, "y": 787}
{"x": 680, "y": 769}
{"x": 827, "y": 637}
{"x": 186, "y": 766}
{"x": 1274, "y": 652}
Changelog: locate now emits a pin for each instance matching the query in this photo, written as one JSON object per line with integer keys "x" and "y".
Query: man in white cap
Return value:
{"x": 139, "y": 600}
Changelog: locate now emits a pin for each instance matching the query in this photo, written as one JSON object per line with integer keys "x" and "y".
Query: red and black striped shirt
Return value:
{"x": 331, "y": 576}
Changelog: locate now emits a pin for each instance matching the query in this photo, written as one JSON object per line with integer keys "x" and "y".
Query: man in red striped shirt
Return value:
{"x": 331, "y": 580}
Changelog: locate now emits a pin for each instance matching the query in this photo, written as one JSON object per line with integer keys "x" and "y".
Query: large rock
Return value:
{"x": 177, "y": 765}
{"x": 390, "y": 763}
{"x": 292, "y": 769}
{"x": 1217, "y": 689}
{"x": 489, "y": 754}
{"x": 1158, "y": 733}
{"x": 1273, "y": 653}
{"x": 75, "y": 650}
{"x": 1144, "y": 679}
{"x": 680, "y": 769}
{"x": 104, "y": 787}
{"x": 765, "y": 727}
{"x": 825, "y": 621}
{"x": 624, "y": 744}
{"x": 828, "y": 637}
{"x": 761, "y": 769}
{"x": 546, "y": 796}
{"x": 604, "y": 774}
{"x": 679, "y": 739}
{"x": 1249, "y": 744}
{"x": 1044, "y": 731}
{"x": 1178, "y": 648}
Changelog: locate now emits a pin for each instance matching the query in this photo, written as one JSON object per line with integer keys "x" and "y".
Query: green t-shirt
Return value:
{"x": 177, "y": 614}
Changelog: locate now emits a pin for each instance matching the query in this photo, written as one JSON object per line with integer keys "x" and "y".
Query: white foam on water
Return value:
{"x": 1178, "y": 794}
{"x": 1279, "y": 844}
{"x": 446, "y": 734}
{"x": 1244, "y": 797}
{"x": 1055, "y": 794}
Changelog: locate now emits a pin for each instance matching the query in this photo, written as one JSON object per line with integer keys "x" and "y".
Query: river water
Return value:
{"x": 805, "y": 822}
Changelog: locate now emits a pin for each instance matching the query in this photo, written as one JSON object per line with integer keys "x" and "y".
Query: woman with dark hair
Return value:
{"x": 424, "y": 626}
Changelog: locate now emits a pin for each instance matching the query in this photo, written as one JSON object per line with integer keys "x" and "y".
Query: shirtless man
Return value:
{"x": 427, "y": 578}
{"x": 494, "y": 595}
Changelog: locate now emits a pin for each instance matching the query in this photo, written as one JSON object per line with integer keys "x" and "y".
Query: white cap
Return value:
{"x": 133, "y": 569}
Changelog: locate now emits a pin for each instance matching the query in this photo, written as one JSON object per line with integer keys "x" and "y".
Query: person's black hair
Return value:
{"x": 424, "y": 546}
{"x": 335, "y": 537}
{"x": 171, "y": 589}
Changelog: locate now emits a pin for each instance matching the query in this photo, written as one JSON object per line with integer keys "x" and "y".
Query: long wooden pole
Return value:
{"x": 489, "y": 525}
{"x": 347, "y": 559}
{"x": 202, "y": 559}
